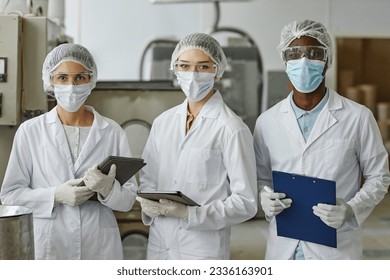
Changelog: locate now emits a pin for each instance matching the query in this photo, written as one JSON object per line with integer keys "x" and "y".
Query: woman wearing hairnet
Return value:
{"x": 53, "y": 153}
{"x": 318, "y": 133}
{"x": 202, "y": 149}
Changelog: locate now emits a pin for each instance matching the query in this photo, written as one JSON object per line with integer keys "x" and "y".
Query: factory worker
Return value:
{"x": 203, "y": 149}
{"x": 53, "y": 153}
{"x": 318, "y": 133}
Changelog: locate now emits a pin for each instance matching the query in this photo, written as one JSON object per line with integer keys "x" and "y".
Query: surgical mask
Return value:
{"x": 195, "y": 85}
{"x": 305, "y": 74}
{"x": 71, "y": 97}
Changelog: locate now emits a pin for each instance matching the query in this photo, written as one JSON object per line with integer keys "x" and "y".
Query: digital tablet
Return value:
{"x": 171, "y": 195}
{"x": 126, "y": 167}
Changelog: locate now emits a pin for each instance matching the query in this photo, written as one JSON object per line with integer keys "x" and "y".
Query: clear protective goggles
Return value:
{"x": 70, "y": 78}
{"x": 310, "y": 52}
{"x": 206, "y": 67}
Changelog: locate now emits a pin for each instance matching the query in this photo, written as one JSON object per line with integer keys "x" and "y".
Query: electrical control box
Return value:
{"x": 10, "y": 68}
{"x": 40, "y": 36}
{"x": 24, "y": 44}
{"x": 3, "y": 69}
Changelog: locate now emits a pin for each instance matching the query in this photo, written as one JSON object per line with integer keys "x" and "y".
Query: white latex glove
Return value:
{"x": 174, "y": 209}
{"x": 150, "y": 207}
{"x": 71, "y": 194}
{"x": 334, "y": 215}
{"x": 96, "y": 181}
{"x": 270, "y": 205}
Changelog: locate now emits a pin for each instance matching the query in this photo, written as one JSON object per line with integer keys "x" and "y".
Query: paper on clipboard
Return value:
{"x": 298, "y": 221}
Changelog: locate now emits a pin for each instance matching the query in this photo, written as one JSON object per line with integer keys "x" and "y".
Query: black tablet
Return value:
{"x": 171, "y": 195}
{"x": 126, "y": 167}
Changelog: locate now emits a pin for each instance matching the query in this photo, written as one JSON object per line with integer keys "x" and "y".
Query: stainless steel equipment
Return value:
{"x": 16, "y": 233}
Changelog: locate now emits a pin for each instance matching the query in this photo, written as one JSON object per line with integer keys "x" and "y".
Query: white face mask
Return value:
{"x": 195, "y": 85}
{"x": 71, "y": 97}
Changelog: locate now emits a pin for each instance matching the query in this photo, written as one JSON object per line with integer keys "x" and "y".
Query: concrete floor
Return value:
{"x": 248, "y": 239}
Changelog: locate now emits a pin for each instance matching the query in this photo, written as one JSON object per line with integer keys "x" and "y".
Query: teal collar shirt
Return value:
{"x": 307, "y": 119}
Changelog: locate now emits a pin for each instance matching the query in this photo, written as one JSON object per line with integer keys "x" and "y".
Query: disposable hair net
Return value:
{"x": 297, "y": 29}
{"x": 203, "y": 42}
{"x": 67, "y": 52}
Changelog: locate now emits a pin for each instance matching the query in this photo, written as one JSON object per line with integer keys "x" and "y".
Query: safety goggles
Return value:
{"x": 310, "y": 52}
{"x": 207, "y": 67}
{"x": 70, "y": 78}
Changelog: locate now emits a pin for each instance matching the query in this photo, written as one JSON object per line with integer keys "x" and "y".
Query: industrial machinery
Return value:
{"x": 24, "y": 43}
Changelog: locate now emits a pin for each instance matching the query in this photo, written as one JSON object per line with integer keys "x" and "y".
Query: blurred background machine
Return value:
{"x": 28, "y": 31}
{"x": 24, "y": 43}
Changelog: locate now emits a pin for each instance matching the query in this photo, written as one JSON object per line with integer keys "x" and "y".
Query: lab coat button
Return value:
{"x": 174, "y": 182}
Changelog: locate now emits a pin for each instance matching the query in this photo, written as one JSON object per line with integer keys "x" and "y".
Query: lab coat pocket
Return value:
{"x": 203, "y": 166}
{"x": 338, "y": 153}
{"x": 199, "y": 244}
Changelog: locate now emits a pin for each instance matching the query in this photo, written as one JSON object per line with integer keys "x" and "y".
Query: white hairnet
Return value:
{"x": 203, "y": 42}
{"x": 67, "y": 52}
{"x": 297, "y": 29}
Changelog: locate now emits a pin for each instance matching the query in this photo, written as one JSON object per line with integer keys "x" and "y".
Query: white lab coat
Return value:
{"x": 214, "y": 164}
{"x": 345, "y": 142}
{"x": 41, "y": 160}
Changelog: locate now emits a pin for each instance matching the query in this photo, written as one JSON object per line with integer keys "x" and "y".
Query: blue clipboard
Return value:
{"x": 298, "y": 221}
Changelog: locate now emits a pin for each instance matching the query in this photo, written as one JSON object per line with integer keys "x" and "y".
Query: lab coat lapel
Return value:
{"x": 93, "y": 138}
{"x": 210, "y": 110}
{"x": 182, "y": 114}
{"x": 95, "y": 135}
{"x": 194, "y": 126}
{"x": 290, "y": 122}
{"x": 61, "y": 137}
{"x": 325, "y": 119}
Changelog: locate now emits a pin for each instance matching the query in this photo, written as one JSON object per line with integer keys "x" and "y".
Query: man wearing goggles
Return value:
{"x": 310, "y": 52}
{"x": 318, "y": 133}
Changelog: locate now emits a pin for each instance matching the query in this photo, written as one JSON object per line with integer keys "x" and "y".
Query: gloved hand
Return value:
{"x": 71, "y": 194}
{"x": 96, "y": 181}
{"x": 150, "y": 207}
{"x": 270, "y": 205}
{"x": 334, "y": 215}
{"x": 174, "y": 209}
{"x": 165, "y": 207}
